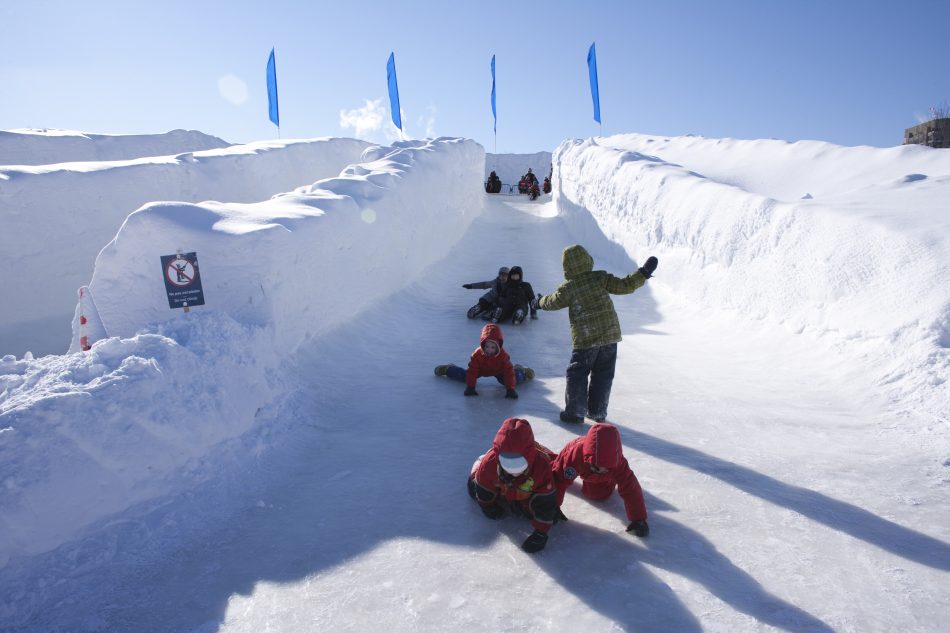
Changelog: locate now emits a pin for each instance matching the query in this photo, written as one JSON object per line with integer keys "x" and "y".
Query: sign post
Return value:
{"x": 182, "y": 280}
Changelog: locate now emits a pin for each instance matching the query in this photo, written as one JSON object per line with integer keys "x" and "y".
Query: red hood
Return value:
{"x": 493, "y": 332}
{"x": 515, "y": 436}
{"x": 602, "y": 446}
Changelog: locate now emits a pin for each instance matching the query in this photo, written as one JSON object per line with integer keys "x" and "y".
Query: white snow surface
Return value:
{"x": 30, "y": 146}
{"x": 282, "y": 458}
{"x": 80, "y": 205}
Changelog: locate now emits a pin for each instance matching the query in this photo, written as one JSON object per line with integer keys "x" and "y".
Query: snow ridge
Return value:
{"x": 844, "y": 268}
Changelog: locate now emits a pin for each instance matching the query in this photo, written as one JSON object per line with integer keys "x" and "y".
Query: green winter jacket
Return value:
{"x": 586, "y": 294}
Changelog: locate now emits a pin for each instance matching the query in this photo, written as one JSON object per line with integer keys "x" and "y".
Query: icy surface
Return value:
{"x": 284, "y": 459}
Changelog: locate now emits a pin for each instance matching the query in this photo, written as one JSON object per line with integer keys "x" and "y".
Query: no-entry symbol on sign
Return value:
{"x": 182, "y": 280}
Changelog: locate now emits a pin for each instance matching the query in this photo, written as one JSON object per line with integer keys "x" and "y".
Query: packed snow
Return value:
{"x": 79, "y": 206}
{"x": 46, "y": 146}
{"x": 283, "y": 458}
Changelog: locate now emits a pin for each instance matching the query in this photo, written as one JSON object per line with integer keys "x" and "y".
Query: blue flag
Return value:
{"x": 393, "y": 90}
{"x": 493, "y": 113}
{"x": 594, "y": 88}
{"x": 272, "y": 110}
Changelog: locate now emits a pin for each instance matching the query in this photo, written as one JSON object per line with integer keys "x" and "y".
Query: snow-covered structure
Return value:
{"x": 284, "y": 455}
{"x": 80, "y": 205}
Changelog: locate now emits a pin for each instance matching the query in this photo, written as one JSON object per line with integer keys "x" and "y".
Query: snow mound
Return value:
{"x": 83, "y": 436}
{"x": 862, "y": 264}
{"x": 263, "y": 263}
{"x": 81, "y": 206}
{"x": 45, "y": 146}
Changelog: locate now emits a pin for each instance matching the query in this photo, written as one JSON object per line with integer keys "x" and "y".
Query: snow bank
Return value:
{"x": 44, "y": 146}
{"x": 83, "y": 436}
{"x": 81, "y": 205}
{"x": 511, "y": 167}
{"x": 860, "y": 262}
{"x": 292, "y": 261}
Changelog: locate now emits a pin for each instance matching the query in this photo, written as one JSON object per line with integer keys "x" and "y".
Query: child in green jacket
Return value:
{"x": 595, "y": 329}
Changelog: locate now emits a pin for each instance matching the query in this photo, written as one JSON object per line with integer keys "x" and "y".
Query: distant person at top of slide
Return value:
{"x": 494, "y": 183}
{"x": 595, "y": 330}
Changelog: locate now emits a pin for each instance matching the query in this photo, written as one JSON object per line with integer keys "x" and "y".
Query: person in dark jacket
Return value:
{"x": 488, "y": 359}
{"x": 515, "y": 476}
{"x": 595, "y": 329}
{"x": 494, "y": 183}
{"x": 516, "y": 299}
{"x": 597, "y": 458}
{"x": 488, "y": 301}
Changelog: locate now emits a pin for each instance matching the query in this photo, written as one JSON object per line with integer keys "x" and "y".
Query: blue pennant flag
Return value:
{"x": 493, "y": 112}
{"x": 393, "y": 90}
{"x": 594, "y": 88}
{"x": 272, "y": 110}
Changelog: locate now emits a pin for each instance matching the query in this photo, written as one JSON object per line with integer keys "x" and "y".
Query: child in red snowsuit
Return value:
{"x": 515, "y": 475}
{"x": 488, "y": 359}
{"x": 597, "y": 458}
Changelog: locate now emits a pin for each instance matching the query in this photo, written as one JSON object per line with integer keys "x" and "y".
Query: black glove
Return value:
{"x": 467, "y": 286}
{"x": 649, "y": 266}
{"x": 559, "y": 516}
{"x": 470, "y": 391}
{"x": 535, "y": 542}
{"x": 493, "y": 511}
{"x": 639, "y": 527}
{"x": 511, "y": 394}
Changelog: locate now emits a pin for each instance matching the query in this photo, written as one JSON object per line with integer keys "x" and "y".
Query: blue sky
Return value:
{"x": 848, "y": 72}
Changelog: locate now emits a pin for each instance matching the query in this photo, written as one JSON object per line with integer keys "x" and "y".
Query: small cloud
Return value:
{"x": 233, "y": 89}
{"x": 371, "y": 122}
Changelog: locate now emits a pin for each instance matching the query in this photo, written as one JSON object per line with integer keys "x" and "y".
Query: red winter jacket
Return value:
{"x": 600, "y": 447}
{"x": 533, "y": 489}
{"x": 498, "y": 365}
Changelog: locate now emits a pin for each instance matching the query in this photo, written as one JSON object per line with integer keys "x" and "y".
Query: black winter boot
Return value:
{"x": 535, "y": 542}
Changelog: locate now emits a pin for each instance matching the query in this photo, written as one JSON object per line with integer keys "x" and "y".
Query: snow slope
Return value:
{"x": 861, "y": 264}
{"x": 44, "y": 146}
{"x": 81, "y": 206}
{"x": 283, "y": 458}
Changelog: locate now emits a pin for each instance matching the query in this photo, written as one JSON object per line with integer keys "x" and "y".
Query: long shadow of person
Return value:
{"x": 609, "y": 571}
{"x": 838, "y": 515}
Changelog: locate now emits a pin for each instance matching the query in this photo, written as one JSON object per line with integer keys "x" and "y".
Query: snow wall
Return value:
{"x": 262, "y": 268}
{"x": 82, "y": 205}
{"x": 845, "y": 263}
{"x": 45, "y": 146}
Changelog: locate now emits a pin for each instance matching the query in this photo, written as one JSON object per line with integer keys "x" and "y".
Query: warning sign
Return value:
{"x": 182, "y": 280}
